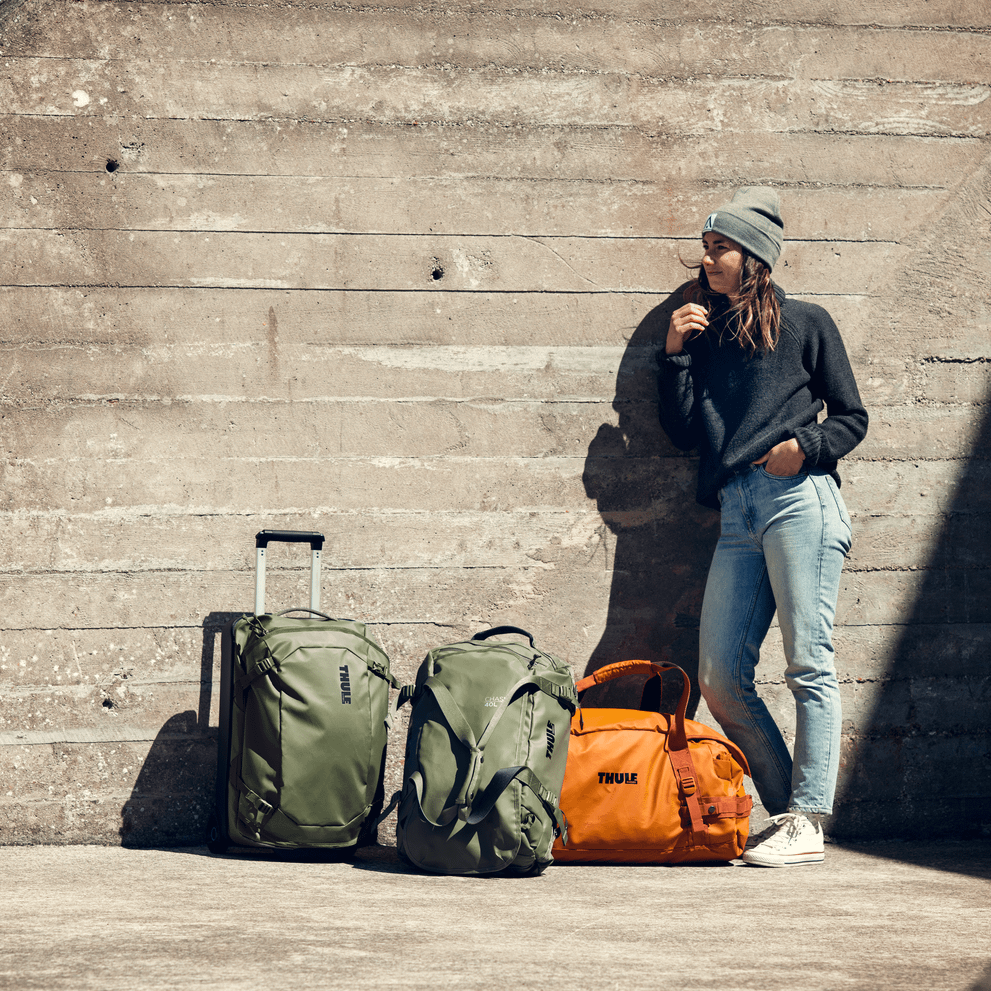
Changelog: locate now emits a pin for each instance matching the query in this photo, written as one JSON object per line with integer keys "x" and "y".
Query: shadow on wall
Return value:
{"x": 7, "y": 10}
{"x": 173, "y": 796}
{"x": 663, "y": 540}
{"x": 922, "y": 766}
{"x": 984, "y": 982}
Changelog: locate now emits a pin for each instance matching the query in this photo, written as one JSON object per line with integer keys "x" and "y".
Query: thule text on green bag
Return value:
{"x": 485, "y": 757}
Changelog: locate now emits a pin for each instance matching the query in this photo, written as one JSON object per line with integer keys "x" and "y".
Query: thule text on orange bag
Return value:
{"x": 645, "y": 787}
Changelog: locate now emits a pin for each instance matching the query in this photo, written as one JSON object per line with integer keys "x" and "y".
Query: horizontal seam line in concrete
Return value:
{"x": 101, "y": 681}
{"x": 512, "y": 291}
{"x": 220, "y": 627}
{"x": 390, "y": 460}
{"x": 470, "y": 121}
{"x": 442, "y": 624}
{"x": 34, "y": 738}
{"x": 129, "y": 571}
{"x": 435, "y": 460}
{"x": 447, "y": 123}
{"x": 583, "y": 17}
{"x": 109, "y": 287}
{"x": 122, "y": 574}
{"x": 142, "y": 513}
{"x": 467, "y": 177}
{"x": 536, "y": 68}
{"x": 430, "y": 235}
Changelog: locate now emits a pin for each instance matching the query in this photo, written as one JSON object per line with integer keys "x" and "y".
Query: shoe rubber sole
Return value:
{"x": 755, "y": 859}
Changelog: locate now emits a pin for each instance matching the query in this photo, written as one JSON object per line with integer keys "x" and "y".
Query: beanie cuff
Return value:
{"x": 752, "y": 219}
{"x": 756, "y": 241}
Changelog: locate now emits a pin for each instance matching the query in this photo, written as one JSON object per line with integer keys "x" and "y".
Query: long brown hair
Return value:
{"x": 755, "y": 319}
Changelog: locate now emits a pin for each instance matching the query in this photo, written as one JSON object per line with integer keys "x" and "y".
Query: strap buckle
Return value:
{"x": 687, "y": 781}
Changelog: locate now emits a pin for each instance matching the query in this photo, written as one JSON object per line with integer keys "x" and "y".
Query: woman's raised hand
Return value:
{"x": 686, "y": 322}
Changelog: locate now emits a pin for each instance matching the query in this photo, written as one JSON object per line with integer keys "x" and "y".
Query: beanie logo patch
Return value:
{"x": 710, "y": 222}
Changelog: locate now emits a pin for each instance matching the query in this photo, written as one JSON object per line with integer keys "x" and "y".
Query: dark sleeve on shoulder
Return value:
{"x": 845, "y": 425}
{"x": 676, "y": 393}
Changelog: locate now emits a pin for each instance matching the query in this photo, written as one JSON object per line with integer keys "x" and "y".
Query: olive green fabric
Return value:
{"x": 308, "y": 731}
{"x": 485, "y": 757}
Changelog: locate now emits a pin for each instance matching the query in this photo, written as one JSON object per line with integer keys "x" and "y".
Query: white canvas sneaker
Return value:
{"x": 793, "y": 839}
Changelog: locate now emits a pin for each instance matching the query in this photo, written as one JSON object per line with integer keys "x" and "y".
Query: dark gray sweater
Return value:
{"x": 735, "y": 407}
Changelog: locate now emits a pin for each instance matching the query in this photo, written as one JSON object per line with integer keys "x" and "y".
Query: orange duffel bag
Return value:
{"x": 649, "y": 787}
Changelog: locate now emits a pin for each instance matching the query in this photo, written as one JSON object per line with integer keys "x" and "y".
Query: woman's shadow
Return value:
{"x": 662, "y": 540}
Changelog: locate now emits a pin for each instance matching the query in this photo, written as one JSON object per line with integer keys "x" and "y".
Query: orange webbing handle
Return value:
{"x": 678, "y": 752}
{"x": 620, "y": 669}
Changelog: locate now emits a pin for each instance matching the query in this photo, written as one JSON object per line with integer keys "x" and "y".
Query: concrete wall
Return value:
{"x": 388, "y": 272}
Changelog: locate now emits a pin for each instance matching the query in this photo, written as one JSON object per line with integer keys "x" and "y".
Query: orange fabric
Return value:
{"x": 648, "y": 787}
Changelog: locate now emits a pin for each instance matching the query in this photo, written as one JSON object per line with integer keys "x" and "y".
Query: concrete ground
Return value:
{"x": 894, "y": 916}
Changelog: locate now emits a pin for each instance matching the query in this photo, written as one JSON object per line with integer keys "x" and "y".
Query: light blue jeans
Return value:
{"x": 781, "y": 546}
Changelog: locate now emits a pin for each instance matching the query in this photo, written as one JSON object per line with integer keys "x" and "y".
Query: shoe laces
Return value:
{"x": 790, "y": 824}
{"x": 784, "y": 826}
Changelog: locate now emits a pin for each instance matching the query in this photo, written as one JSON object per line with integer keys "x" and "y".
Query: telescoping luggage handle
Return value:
{"x": 264, "y": 538}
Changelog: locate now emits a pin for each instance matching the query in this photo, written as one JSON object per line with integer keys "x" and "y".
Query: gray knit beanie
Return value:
{"x": 752, "y": 219}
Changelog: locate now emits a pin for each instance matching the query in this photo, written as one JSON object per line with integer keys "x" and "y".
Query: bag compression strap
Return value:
{"x": 461, "y": 807}
{"x": 485, "y": 803}
{"x": 501, "y": 781}
{"x": 688, "y": 784}
{"x": 261, "y": 811}
{"x": 258, "y": 669}
{"x": 726, "y": 807}
{"x": 460, "y": 727}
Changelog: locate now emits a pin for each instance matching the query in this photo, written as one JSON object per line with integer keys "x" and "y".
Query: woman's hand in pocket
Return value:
{"x": 783, "y": 459}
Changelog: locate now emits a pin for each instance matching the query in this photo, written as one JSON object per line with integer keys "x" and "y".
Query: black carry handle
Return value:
{"x": 315, "y": 612}
{"x": 315, "y": 540}
{"x": 485, "y": 634}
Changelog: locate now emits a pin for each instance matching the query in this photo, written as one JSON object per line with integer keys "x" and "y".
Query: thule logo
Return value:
{"x": 617, "y": 778}
{"x": 550, "y": 739}
{"x": 345, "y": 685}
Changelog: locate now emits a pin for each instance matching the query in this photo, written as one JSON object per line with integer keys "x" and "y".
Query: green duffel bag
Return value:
{"x": 485, "y": 757}
{"x": 308, "y": 726}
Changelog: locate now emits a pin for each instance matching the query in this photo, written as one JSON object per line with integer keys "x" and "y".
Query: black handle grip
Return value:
{"x": 315, "y": 612}
{"x": 315, "y": 540}
{"x": 485, "y": 634}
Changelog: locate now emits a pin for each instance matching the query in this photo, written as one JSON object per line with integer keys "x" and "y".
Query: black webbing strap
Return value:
{"x": 257, "y": 670}
{"x": 501, "y": 780}
{"x": 464, "y": 795}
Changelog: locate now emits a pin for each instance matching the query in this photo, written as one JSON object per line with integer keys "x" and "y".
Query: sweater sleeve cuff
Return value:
{"x": 810, "y": 440}
{"x": 675, "y": 361}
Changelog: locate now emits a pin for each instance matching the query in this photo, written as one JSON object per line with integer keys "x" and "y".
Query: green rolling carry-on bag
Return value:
{"x": 303, "y": 723}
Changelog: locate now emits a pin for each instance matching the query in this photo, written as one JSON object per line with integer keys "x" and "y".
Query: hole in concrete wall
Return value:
{"x": 112, "y": 165}
{"x": 108, "y": 703}
{"x": 437, "y": 274}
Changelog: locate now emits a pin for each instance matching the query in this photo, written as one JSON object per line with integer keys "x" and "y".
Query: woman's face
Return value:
{"x": 722, "y": 260}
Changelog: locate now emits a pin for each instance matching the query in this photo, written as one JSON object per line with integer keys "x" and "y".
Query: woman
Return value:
{"x": 745, "y": 373}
